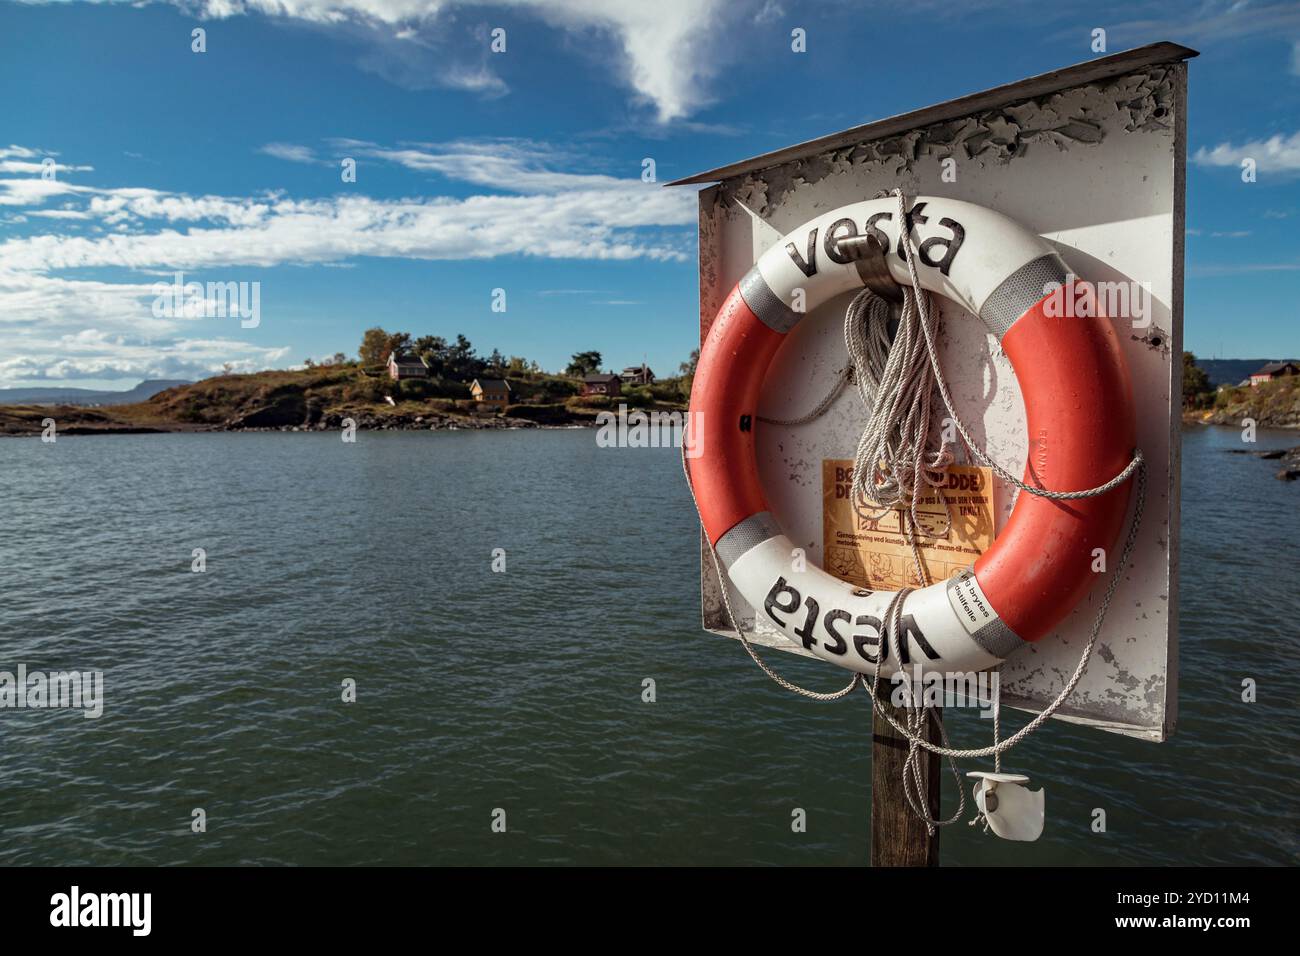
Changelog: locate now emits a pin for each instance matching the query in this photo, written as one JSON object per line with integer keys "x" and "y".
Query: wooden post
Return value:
{"x": 898, "y": 836}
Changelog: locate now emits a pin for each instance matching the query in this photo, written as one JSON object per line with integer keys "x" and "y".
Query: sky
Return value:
{"x": 126, "y": 156}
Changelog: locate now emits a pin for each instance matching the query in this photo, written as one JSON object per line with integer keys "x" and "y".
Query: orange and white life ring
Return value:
{"x": 1078, "y": 406}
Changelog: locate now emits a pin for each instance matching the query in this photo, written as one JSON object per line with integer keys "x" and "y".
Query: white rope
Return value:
{"x": 922, "y": 318}
{"x": 894, "y": 462}
{"x": 735, "y": 622}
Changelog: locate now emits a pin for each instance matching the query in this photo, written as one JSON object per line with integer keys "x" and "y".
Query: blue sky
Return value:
{"x": 522, "y": 170}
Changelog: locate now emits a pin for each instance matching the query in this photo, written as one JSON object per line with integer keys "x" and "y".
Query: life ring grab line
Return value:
{"x": 1004, "y": 295}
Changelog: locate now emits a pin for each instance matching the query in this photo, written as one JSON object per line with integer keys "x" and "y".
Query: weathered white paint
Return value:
{"x": 1095, "y": 169}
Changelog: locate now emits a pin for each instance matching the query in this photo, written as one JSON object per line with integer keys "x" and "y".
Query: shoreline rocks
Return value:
{"x": 1289, "y": 457}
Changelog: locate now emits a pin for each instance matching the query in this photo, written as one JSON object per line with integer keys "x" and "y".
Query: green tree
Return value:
{"x": 433, "y": 349}
{"x": 374, "y": 347}
{"x": 1196, "y": 384}
{"x": 584, "y": 363}
{"x": 687, "y": 368}
{"x": 377, "y": 345}
{"x": 462, "y": 363}
{"x": 398, "y": 343}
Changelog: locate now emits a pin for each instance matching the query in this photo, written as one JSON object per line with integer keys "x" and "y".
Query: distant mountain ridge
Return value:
{"x": 86, "y": 396}
{"x": 1231, "y": 371}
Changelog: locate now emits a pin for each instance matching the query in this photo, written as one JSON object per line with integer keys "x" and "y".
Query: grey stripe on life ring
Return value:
{"x": 745, "y": 536}
{"x": 762, "y": 301}
{"x": 995, "y": 637}
{"x": 998, "y": 639}
{"x": 1020, "y": 291}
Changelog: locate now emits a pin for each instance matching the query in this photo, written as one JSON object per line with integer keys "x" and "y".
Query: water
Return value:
{"x": 522, "y": 690}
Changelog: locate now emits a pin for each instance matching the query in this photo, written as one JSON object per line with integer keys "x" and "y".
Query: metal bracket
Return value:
{"x": 869, "y": 259}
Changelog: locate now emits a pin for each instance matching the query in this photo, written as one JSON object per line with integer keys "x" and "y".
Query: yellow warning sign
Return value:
{"x": 868, "y": 548}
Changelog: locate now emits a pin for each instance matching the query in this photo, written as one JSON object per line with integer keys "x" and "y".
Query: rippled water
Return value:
{"x": 522, "y": 690}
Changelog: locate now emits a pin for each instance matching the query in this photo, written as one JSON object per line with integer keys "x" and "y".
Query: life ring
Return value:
{"x": 1078, "y": 407}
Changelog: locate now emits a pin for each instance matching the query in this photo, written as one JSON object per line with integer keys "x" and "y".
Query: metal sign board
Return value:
{"x": 1090, "y": 157}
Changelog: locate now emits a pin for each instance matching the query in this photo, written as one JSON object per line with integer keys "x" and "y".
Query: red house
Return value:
{"x": 609, "y": 385}
{"x": 1274, "y": 370}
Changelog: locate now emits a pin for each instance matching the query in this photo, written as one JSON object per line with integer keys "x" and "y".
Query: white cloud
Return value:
{"x": 550, "y": 214}
{"x": 510, "y": 165}
{"x": 576, "y": 225}
{"x": 94, "y": 355}
{"x": 1277, "y": 154}
{"x": 20, "y": 166}
{"x": 1212, "y": 21}
{"x": 72, "y": 330}
{"x": 59, "y": 214}
{"x": 32, "y": 191}
{"x": 474, "y": 79}
{"x": 771, "y": 12}
{"x": 287, "y": 151}
{"x": 666, "y": 50}
{"x": 53, "y": 325}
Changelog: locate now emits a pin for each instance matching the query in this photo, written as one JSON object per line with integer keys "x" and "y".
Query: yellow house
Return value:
{"x": 490, "y": 392}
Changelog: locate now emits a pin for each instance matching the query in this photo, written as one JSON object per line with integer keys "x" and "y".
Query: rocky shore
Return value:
{"x": 1271, "y": 405}
{"x": 323, "y": 398}
{"x": 19, "y": 421}
{"x": 1288, "y": 458}
{"x": 405, "y": 422}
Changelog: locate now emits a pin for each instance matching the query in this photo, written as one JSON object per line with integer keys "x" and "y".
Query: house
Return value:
{"x": 638, "y": 375}
{"x": 402, "y": 367}
{"x": 490, "y": 392}
{"x": 1274, "y": 370}
{"x": 598, "y": 384}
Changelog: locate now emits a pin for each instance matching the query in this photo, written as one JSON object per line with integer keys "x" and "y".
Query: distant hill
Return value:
{"x": 1232, "y": 371}
{"x": 86, "y": 396}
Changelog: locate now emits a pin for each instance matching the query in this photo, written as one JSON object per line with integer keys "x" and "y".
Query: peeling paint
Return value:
{"x": 1064, "y": 120}
{"x": 1154, "y": 338}
{"x": 1004, "y": 154}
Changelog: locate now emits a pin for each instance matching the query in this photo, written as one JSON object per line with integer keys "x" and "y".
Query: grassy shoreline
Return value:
{"x": 321, "y": 398}
{"x": 1273, "y": 404}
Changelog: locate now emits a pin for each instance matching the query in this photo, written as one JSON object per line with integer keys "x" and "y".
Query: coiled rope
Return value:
{"x": 895, "y": 460}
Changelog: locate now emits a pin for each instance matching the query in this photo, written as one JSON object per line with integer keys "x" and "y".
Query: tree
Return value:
{"x": 496, "y": 363}
{"x": 1196, "y": 384}
{"x": 461, "y": 362}
{"x": 398, "y": 343}
{"x": 433, "y": 349}
{"x": 374, "y": 347}
{"x": 687, "y": 368}
{"x": 377, "y": 345}
{"x": 584, "y": 363}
